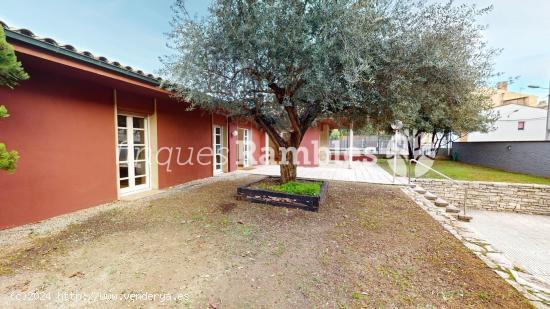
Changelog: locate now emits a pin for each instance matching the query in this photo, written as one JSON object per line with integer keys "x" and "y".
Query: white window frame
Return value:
{"x": 132, "y": 188}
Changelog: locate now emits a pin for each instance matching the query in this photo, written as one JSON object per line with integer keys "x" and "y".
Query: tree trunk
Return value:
{"x": 288, "y": 168}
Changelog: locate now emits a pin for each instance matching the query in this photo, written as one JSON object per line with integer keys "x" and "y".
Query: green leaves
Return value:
{"x": 8, "y": 159}
{"x": 429, "y": 70}
{"x": 368, "y": 61}
{"x": 258, "y": 56}
{"x": 3, "y": 112}
{"x": 11, "y": 71}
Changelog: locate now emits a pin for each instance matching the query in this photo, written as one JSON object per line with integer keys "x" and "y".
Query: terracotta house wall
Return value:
{"x": 310, "y": 142}
{"x": 134, "y": 103}
{"x": 177, "y": 127}
{"x": 63, "y": 129}
{"x": 232, "y": 140}
{"x": 258, "y": 138}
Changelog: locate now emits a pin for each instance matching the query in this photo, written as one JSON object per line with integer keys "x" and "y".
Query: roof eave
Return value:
{"x": 74, "y": 55}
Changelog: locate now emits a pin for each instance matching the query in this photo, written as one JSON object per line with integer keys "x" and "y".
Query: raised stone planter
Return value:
{"x": 281, "y": 199}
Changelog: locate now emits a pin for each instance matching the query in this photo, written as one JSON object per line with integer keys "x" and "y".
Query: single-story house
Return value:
{"x": 90, "y": 130}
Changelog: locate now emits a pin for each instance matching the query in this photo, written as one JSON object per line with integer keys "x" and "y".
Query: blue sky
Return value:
{"x": 132, "y": 32}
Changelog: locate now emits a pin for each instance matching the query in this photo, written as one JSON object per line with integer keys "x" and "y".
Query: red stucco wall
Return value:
{"x": 184, "y": 129}
{"x": 258, "y": 138}
{"x": 311, "y": 143}
{"x": 135, "y": 103}
{"x": 232, "y": 146}
{"x": 64, "y": 131}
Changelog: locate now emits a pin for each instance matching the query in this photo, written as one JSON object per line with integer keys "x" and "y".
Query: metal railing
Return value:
{"x": 444, "y": 176}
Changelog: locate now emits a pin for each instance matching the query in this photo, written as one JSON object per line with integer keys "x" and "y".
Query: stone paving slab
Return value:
{"x": 359, "y": 172}
{"x": 525, "y": 239}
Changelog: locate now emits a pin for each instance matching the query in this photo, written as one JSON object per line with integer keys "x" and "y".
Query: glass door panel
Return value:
{"x": 133, "y": 165}
{"x": 218, "y": 164}
{"x": 246, "y": 147}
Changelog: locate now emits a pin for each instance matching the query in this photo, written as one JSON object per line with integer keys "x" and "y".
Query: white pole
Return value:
{"x": 394, "y": 154}
{"x": 548, "y": 116}
{"x": 350, "y": 145}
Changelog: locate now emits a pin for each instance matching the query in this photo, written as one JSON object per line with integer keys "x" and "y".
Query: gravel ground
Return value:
{"x": 197, "y": 247}
{"x": 20, "y": 235}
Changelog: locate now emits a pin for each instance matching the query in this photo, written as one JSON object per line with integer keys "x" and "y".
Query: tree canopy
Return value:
{"x": 430, "y": 72}
{"x": 284, "y": 64}
{"x": 11, "y": 72}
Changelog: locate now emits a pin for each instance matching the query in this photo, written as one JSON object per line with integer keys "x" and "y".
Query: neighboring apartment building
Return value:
{"x": 502, "y": 97}
{"x": 516, "y": 123}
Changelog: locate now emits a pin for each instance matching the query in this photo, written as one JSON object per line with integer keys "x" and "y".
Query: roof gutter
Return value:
{"x": 65, "y": 52}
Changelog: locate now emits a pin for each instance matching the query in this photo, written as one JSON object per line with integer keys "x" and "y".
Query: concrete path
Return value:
{"x": 359, "y": 172}
{"x": 524, "y": 239}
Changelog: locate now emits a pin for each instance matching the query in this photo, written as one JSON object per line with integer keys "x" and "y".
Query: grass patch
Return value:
{"x": 310, "y": 188}
{"x": 472, "y": 172}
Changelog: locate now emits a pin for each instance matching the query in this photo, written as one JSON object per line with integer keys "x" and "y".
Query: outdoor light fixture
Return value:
{"x": 235, "y": 133}
{"x": 509, "y": 147}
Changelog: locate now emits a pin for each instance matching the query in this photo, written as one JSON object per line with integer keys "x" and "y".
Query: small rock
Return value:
{"x": 430, "y": 196}
{"x": 452, "y": 209}
{"x": 419, "y": 190}
{"x": 441, "y": 203}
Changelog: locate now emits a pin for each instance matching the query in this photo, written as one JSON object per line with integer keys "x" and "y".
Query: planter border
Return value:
{"x": 282, "y": 199}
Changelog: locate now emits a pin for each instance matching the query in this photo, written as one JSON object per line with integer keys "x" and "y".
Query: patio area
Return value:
{"x": 195, "y": 246}
{"x": 359, "y": 172}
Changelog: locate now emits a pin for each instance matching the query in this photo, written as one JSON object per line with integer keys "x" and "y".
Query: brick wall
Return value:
{"x": 521, "y": 198}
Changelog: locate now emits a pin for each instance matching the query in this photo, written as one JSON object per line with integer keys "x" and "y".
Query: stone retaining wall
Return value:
{"x": 521, "y": 198}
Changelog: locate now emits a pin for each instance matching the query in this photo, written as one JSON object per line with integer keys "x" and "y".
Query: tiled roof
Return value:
{"x": 81, "y": 55}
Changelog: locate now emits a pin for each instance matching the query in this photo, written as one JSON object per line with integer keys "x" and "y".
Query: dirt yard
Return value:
{"x": 369, "y": 246}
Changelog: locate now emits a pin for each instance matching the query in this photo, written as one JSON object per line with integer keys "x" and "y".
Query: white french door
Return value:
{"x": 132, "y": 154}
{"x": 217, "y": 139}
{"x": 246, "y": 147}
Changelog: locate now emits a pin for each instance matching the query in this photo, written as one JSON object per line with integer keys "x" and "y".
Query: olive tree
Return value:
{"x": 282, "y": 64}
{"x": 429, "y": 72}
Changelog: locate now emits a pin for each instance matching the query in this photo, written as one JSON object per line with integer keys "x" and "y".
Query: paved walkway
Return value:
{"x": 359, "y": 172}
{"x": 524, "y": 239}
